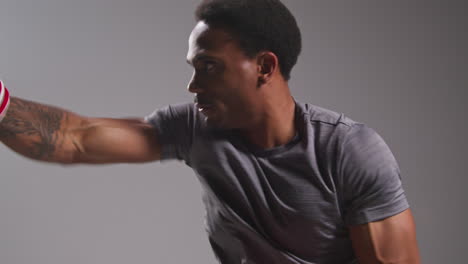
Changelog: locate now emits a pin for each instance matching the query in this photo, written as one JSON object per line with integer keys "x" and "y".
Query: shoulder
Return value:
{"x": 178, "y": 111}
{"x": 321, "y": 115}
{"x": 355, "y": 143}
{"x": 174, "y": 125}
{"x": 327, "y": 124}
{"x": 353, "y": 137}
{"x": 334, "y": 132}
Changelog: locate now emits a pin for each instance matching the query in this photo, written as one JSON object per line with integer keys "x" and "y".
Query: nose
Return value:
{"x": 192, "y": 85}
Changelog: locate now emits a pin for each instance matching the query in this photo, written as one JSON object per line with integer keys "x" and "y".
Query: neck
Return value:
{"x": 276, "y": 125}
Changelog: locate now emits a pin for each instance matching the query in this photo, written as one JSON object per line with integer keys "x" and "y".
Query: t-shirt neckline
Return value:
{"x": 266, "y": 152}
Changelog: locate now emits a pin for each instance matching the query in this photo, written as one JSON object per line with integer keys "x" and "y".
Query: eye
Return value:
{"x": 209, "y": 66}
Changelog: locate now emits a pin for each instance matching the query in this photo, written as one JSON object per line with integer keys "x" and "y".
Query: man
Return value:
{"x": 284, "y": 181}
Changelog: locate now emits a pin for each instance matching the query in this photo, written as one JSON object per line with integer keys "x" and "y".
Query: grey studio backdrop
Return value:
{"x": 398, "y": 66}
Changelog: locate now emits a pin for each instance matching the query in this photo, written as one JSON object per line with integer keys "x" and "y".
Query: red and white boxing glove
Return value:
{"x": 4, "y": 100}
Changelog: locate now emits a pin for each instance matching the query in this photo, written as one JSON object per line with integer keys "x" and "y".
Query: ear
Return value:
{"x": 268, "y": 64}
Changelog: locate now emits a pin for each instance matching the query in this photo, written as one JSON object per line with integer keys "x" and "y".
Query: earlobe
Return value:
{"x": 261, "y": 81}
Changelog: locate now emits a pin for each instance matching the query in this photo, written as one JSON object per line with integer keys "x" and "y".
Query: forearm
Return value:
{"x": 36, "y": 131}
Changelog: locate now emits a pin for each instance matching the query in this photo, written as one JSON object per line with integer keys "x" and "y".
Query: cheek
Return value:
{"x": 237, "y": 85}
{"x": 249, "y": 72}
{"x": 242, "y": 80}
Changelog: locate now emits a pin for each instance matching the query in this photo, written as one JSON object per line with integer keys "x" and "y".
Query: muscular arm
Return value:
{"x": 389, "y": 241}
{"x": 51, "y": 134}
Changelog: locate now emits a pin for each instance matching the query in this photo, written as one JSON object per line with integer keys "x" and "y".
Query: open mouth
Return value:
{"x": 204, "y": 105}
{"x": 205, "y": 108}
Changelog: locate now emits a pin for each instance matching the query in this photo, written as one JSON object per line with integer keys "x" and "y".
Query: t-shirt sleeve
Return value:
{"x": 174, "y": 126}
{"x": 371, "y": 181}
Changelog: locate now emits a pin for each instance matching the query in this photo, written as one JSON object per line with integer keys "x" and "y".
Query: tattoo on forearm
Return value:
{"x": 35, "y": 123}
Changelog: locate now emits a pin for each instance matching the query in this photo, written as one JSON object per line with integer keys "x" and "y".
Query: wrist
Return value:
{"x": 4, "y": 100}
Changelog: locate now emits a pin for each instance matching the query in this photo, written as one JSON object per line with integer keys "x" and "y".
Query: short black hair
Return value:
{"x": 258, "y": 25}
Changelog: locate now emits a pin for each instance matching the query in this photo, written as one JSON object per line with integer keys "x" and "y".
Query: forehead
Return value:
{"x": 208, "y": 40}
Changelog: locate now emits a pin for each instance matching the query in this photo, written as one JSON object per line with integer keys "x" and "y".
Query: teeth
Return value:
{"x": 202, "y": 109}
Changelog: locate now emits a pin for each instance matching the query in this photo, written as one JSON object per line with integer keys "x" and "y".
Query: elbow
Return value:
{"x": 69, "y": 159}
{"x": 77, "y": 156}
{"x": 76, "y": 152}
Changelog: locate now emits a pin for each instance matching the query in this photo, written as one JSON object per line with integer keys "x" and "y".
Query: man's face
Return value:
{"x": 224, "y": 79}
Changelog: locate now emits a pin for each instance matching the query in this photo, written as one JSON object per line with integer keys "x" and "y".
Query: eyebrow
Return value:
{"x": 201, "y": 57}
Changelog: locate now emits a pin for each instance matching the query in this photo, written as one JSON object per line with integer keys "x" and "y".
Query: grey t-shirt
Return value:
{"x": 287, "y": 204}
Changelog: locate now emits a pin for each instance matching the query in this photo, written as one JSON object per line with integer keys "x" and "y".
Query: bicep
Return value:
{"x": 106, "y": 140}
{"x": 392, "y": 240}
